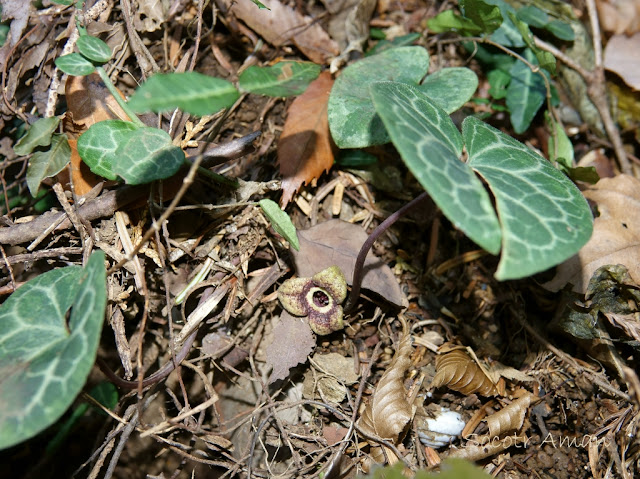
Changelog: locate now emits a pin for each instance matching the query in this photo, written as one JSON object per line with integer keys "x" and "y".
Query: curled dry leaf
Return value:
{"x": 388, "y": 410}
{"x": 509, "y": 418}
{"x": 458, "y": 371}
{"x": 305, "y": 149}
{"x": 615, "y": 238}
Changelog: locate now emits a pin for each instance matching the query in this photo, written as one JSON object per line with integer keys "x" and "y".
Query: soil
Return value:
{"x": 582, "y": 418}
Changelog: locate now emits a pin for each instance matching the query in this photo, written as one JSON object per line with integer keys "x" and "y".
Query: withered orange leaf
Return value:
{"x": 305, "y": 150}
{"x": 83, "y": 179}
{"x": 89, "y": 101}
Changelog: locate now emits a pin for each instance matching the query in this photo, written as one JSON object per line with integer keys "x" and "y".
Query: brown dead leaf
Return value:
{"x": 458, "y": 371}
{"x": 83, "y": 179}
{"x": 89, "y": 101}
{"x": 619, "y": 16}
{"x": 293, "y": 341}
{"x": 616, "y": 234}
{"x": 622, "y": 56}
{"x": 337, "y": 242}
{"x": 305, "y": 149}
{"x": 281, "y": 24}
{"x": 388, "y": 410}
{"x": 509, "y": 418}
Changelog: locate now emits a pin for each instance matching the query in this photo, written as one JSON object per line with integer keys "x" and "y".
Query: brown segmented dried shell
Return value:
{"x": 458, "y": 371}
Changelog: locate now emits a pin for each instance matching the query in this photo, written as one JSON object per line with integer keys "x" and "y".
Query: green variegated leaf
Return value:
{"x": 192, "y": 92}
{"x": 45, "y": 352}
{"x": 450, "y": 88}
{"x": 94, "y": 49}
{"x": 98, "y": 145}
{"x": 430, "y": 146}
{"x": 280, "y": 221}
{"x": 75, "y": 64}
{"x": 544, "y": 217}
{"x": 145, "y": 155}
{"x": 525, "y": 94}
{"x": 352, "y": 117}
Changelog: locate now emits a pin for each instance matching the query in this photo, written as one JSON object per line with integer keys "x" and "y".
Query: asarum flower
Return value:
{"x": 318, "y": 298}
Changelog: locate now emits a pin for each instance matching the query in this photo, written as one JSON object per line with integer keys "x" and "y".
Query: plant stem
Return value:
{"x": 375, "y": 234}
{"x": 116, "y": 95}
{"x": 213, "y": 176}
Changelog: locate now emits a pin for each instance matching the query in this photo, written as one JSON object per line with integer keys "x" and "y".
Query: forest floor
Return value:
{"x": 569, "y": 407}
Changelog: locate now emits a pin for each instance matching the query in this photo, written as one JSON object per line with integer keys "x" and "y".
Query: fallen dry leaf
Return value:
{"x": 282, "y": 24}
{"x": 337, "y": 242}
{"x": 293, "y": 341}
{"x": 89, "y": 101}
{"x": 458, "y": 371}
{"x": 616, "y": 234}
{"x": 619, "y": 16}
{"x": 83, "y": 178}
{"x": 305, "y": 149}
{"x": 622, "y": 56}
{"x": 509, "y": 418}
{"x": 388, "y": 410}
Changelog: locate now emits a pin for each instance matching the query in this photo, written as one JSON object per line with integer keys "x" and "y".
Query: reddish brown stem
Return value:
{"x": 375, "y": 234}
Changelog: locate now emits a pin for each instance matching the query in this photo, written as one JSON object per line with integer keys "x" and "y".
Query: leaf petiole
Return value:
{"x": 116, "y": 95}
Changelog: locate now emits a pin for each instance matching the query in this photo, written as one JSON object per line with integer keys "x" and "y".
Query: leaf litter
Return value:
{"x": 216, "y": 402}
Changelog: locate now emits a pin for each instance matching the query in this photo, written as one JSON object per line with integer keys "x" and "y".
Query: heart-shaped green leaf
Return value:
{"x": 191, "y": 92}
{"x": 353, "y": 120}
{"x": 98, "y": 145}
{"x": 39, "y": 134}
{"x": 450, "y": 88}
{"x": 44, "y": 164}
{"x": 146, "y": 155}
{"x": 45, "y": 361}
{"x": 75, "y": 64}
{"x": 280, "y": 80}
{"x": 94, "y": 49}
{"x": 430, "y": 146}
{"x": 544, "y": 217}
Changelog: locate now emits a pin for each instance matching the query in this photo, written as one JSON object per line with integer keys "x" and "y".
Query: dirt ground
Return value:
{"x": 579, "y": 416}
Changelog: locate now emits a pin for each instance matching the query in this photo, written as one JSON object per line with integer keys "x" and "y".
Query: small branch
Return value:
{"x": 111, "y": 201}
{"x": 596, "y": 86}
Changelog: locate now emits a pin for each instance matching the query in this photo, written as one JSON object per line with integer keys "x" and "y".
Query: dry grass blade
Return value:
{"x": 389, "y": 410}
{"x": 459, "y": 372}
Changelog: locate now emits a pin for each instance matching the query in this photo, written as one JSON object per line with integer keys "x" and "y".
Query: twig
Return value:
{"x": 159, "y": 375}
{"x": 568, "y": 359}
{"x": 596, "y": 85}
{"x": 111, "y": 201}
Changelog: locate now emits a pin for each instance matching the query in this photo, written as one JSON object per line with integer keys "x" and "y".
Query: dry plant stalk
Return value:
{"x": 388, "y": 410}
{"x": 458, "y": 371}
